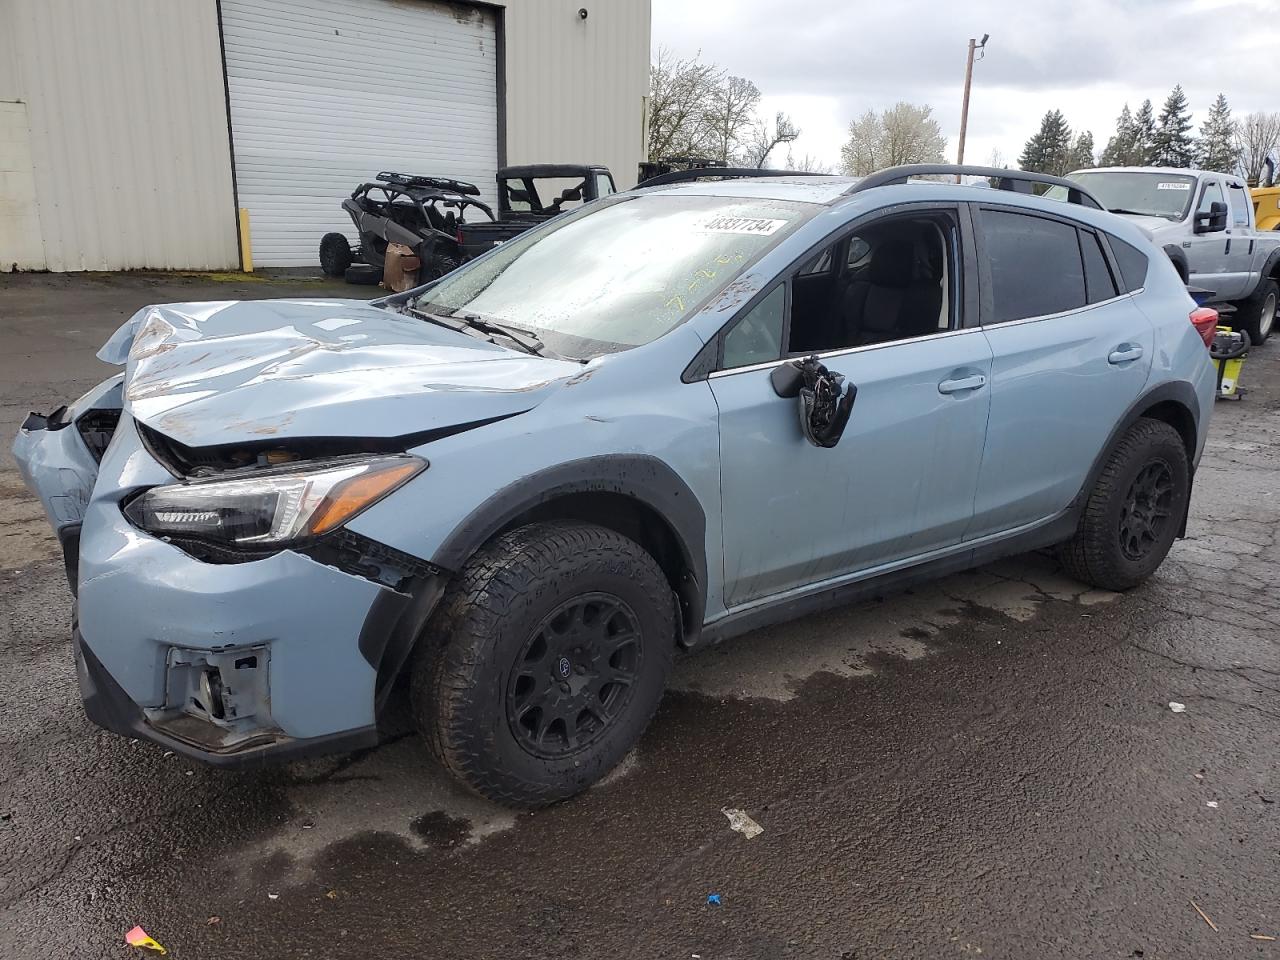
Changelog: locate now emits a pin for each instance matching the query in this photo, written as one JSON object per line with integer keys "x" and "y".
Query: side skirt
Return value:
{"x": 963, "y": 557}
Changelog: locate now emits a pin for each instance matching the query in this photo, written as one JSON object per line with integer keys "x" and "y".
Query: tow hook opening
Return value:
{"x": 218, "y": 700}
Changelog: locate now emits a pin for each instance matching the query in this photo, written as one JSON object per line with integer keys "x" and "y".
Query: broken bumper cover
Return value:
{"x": 107, "y": 705}
{"x": 230, "y": 663}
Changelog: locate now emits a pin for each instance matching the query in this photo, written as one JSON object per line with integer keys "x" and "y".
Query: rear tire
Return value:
{"x": 335, "y": 254}
{"x": 1257, "y": 315}
{"x": 545, "y": 661}
{"x": 1134, "y": 511}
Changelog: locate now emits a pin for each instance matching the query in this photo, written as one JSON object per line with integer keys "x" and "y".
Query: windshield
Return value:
{"x": 618, "y": 274}
{"x": 1142, "y": 194}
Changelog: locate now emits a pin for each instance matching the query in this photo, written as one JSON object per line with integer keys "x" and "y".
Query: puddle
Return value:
{"x": 773, "y": 663}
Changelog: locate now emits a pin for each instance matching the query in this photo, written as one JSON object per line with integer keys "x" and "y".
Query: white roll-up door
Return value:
{"x": 324, "y": 94}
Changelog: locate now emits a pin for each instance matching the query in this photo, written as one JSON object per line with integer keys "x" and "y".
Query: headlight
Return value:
{"x": 272, "y": 510}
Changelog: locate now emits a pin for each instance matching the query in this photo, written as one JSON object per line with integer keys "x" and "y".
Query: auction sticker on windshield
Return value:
{"x": 758, "y": 226}
{"x": 1173, "y": 186}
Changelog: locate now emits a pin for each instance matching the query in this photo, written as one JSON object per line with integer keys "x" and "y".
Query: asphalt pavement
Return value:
{"x": 984, "y": 767}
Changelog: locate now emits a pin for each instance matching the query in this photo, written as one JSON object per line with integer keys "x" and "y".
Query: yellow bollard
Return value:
{"x": 246, "y": 247}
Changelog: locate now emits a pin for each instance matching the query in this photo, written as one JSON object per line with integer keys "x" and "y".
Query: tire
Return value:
{"x": 1110, "y": 550}
{"x": 493, "y": 664}
{"x": 363, "y": 274}
{"x": 1257, "y": 315}
{"x": 335, "y": 254}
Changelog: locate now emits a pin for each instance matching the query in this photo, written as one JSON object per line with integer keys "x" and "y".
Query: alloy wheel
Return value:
{"x": 1147, "y": 510}
{"x": 574, "y": 675}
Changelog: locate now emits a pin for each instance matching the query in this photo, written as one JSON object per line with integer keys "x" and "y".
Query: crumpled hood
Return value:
{"x": 237, "y": 371}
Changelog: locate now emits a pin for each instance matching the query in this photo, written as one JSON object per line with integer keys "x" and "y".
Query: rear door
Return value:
{"x": 1071, "y": 352}
{"x": 1241, "y": 247}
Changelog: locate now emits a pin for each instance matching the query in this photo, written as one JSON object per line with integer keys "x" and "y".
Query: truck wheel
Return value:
{"x": 1134, "y": 510}
{"x": 1258, "y": 313}
{"x": 545, "y": 662}
{"x": 335, "y": 254}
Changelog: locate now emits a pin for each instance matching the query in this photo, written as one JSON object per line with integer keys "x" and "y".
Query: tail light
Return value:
{"x": 1205, "y": 320}
{"x": 458, "y": 237}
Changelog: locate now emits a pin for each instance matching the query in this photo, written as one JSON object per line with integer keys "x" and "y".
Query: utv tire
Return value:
{"x": 335, "y": 254}
{"x": 363, "y": 274}
{"x": 1258, "y": 313}
{"x": 1134, "y": 511}
{"x": 544, "y": 662}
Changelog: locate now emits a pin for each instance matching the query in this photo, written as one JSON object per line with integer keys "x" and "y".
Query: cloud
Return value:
{"x": 827, "y": 61}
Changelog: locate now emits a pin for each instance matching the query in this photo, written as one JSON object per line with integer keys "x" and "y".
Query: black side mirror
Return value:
{"x": 824, "y": 399}
{"x": 1213, "y": 220}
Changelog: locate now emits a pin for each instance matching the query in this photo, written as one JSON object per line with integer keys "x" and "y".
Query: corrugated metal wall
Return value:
{"x": 127, "y": 132}
{"x": 576, "y": 88}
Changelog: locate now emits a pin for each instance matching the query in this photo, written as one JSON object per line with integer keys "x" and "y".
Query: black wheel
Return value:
{"x": 545, "y": 662}
{"x": 437, "y": 267}
{"x": 364, "y": 274}
{"x": 1257, "y": 315}
{"x": 335, "y": 254}
{"x": 1134, "y": 511}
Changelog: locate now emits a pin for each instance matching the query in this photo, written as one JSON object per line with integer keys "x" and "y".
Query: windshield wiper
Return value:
{"x": 1133, "y": 213}
{"x": 473, "y": 325}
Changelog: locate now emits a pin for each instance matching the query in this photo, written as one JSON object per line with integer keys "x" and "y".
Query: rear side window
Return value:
{"x": 1132, "y": 261}
{"x": 1034, "y": 264}
{"x": 1097, "y": 274}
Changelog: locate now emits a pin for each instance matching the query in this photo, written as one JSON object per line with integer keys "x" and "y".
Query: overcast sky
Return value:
{"x": 826, "y": 61}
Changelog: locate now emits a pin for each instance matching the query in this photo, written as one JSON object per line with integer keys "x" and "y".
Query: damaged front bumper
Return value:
{"x": 229, "y": 663}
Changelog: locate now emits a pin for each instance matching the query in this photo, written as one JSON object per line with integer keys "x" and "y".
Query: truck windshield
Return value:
{"x": 1140, "y": 194}
{"x": 618, "y": 274}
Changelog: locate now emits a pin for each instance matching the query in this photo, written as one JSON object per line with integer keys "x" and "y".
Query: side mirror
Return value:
{"x": 823, "y": 398}
{"x": 1213, "y": 220}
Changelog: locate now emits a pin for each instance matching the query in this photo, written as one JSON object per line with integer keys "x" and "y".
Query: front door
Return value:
{"x": 1207, "y": 252}
{"x": 881, "y": 306}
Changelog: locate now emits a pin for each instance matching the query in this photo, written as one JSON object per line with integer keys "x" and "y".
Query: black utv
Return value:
{"x": 532, "y": 193}
{"x": 425, "y": 214}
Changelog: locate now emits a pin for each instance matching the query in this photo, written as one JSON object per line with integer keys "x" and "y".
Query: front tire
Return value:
{"x": 1134, "y": 511}
{"x": 1258, "y": 313}
{"x": 545, "y": 662}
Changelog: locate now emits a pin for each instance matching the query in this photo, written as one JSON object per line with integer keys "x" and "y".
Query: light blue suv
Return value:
{"x": 669, "y": 417}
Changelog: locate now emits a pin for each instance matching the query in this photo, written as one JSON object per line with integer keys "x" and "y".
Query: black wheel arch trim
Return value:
{"x": 646, "y": 479}
{"x": 1179, "y": 259}
{"x": 1178, "y": 392}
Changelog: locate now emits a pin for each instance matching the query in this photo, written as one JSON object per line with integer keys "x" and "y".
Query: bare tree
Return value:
{"x": 808, "y": 164}
{"x": 681, "y": 92}
{"x": 905, "y": 133}
{"x": 997, "y": 159}
{"x": 730, "y": 115}
{"x": 1257, "y": 135}
{"x": 766, "y": 136}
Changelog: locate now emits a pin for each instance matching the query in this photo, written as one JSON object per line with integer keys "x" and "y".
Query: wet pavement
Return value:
{"x": 987, "y": 766}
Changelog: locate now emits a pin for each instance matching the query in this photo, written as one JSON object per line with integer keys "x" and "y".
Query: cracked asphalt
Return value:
{"x": 986, "y": 766}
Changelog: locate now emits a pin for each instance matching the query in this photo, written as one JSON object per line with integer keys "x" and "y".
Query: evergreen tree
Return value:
{"x": 1119, "y": 150}
{"x": 1049, "y": 151}
{"x": 1082, "y": 152}
{"x": 1144, "y": 135}
{"x": 1173, "y": 145}
{"x": 1217, "y": 139}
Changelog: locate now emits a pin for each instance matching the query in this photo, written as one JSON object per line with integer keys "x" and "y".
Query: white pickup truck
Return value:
{"x": 1205, "y": 223}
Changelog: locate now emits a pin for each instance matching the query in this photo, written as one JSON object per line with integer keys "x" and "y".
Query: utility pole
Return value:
{"x": 974, "y": 47}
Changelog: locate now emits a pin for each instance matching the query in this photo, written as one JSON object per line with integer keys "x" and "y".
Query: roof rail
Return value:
{"x": 716, "y": 173}
{"x": 1016, "y": 181}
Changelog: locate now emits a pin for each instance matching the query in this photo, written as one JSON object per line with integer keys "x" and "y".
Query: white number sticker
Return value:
{"x": 759, "y": 226}
{"x": 1173, "y": 186}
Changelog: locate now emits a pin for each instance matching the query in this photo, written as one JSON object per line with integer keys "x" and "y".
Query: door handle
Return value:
{"x": 1124, "y": 353}
{"x": 962, "y": 384}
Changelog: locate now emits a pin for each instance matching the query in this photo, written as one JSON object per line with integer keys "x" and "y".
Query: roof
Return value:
{"x": 550, "y": 170}
{"x": 815, "y": 189}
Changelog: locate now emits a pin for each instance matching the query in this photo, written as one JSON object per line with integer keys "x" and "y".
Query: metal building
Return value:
{"x": 132, "y": 131}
